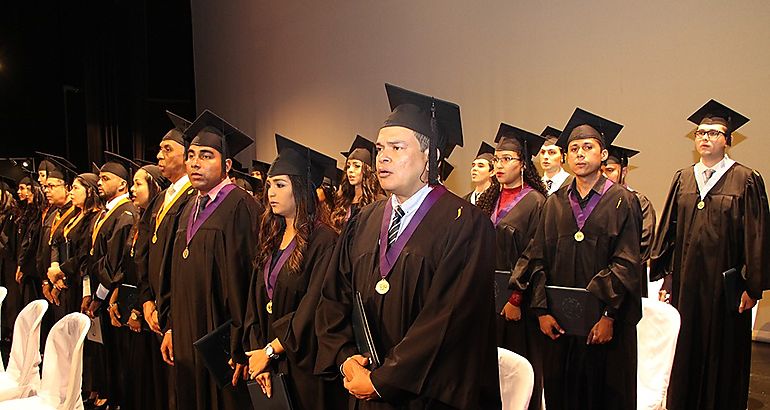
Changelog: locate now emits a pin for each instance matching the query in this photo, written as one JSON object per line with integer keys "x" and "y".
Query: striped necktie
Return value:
{"x": 395, "y": 225}
{"x": 709, "y": 173}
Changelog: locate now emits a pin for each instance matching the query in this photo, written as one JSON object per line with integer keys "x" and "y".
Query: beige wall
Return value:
{"x": 314, "y": 70}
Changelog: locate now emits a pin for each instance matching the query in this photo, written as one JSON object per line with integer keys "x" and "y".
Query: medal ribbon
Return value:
{"x": 496, "y": 219}
{"x": 581, "y": 215}
{"x": 271, "y": 275}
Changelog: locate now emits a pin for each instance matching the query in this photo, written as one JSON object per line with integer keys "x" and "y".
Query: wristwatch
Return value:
{"x": 134, "y": 316}
{"x": 270, "y": 352}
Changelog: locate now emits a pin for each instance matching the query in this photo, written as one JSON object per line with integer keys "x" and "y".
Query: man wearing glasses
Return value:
{"x": 711, "y": 248}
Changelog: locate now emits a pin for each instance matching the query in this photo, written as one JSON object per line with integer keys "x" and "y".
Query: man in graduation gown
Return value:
{"x": 422, "y": 261}
{"x": 206, "y": 282}
{"x": 588, "y": 238}
{"x": 159, "y": 224}
{"x": 106, "y": 270}
{"x": 615, "y": 168}
{"x": 715, "y": 219}
{"x": 551, "y": 158}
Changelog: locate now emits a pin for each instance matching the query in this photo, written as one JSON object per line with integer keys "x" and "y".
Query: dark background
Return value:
{"x": 81, "y": 77}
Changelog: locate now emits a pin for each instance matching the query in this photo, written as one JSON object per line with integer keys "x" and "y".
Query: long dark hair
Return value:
{"x": 30, "y": 212}
{"x": 272, "y": 226}
{"x": 370, "y": 190}
{"x": 531, "y": 177}
{"x": 486, "y": 201}
{"x": 8, "y": 206}
{"x": 93, "y": 202}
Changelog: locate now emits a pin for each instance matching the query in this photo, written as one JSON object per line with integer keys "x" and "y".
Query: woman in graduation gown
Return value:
{"x": 486, "y": 188}
{"x": 8, "y": 220}
{"x": 27, "y": 237}
{"x": 294, "y": 249}
{"x": 360, "y": 186}
{"x": 516, "y": 215}
{"x": 142, "y": 365}
{"x": 69, "y": 250}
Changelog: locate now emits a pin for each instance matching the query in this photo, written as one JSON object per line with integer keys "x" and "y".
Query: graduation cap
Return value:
{"x": 445, "y": 169}
{"x": 210, "y": 130}
{"x": 257, "y": 165}
{"x": 584, "y": 124}
{"x": 247, "y": 182}
{"x": 550, "y": 132}
{"x": 620, "y": 155}
{"x": 340, "y": 175}
{"x": 362, "y": 150}
{"x": 57, "y": 167}
{"x": 510, "y": 138}
{"x": 90, "y": 179}
{"x": 714, "y": 112}
{"x": 299, "y": 160}
{"x": 436, "y": 119}
{"x": 118, "y": 165}
{"x": 176, "y": 134}
{"x": 11, "y": 173}
{"x": 486, "y": 152}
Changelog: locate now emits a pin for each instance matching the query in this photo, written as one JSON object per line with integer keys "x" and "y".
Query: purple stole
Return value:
{"x": 193, "y": 224}
{"x": 271, "y": 275}
{"x": 388, "y": 256}
{"x": 496, "y": 219}
{"x": 581, "y": 215}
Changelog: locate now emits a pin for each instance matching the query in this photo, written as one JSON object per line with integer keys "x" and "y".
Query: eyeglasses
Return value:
{"x": 51, "y": 186}
{"x": 711, "y": 135}
{"x": 504, "y": 159}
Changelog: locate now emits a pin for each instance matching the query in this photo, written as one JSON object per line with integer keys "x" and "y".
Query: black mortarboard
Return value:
{"x": 714, "y": 112}
{"x": 550, "y": 133}
{"x": 236, "y": 165}
{"x": 156, "y": 175}
{"x": 601, "y": 129}
{"x": 299, "y": 160}
{"x": 95, "y": 168}
{"x": 11, "y": 172}
{"x": 340, "y": 175}
{"x": 247, "y": 182}
{"x": 620, "y": 155}
{"x": 143, "y": 162}
{"x": 486, "y": 152}
{"x": 446, "y": 169}
{"x": 510, "y": 138}
{"x": 210, "y": 130}
{"x": 119, "y": 166}
{"x": 176, "y": 134}
{"x": 90, "y": 179}
{"x": 257, "y": 165}
{"x": 362, "y": 150}
{"x": 439, "y": 120}
{"x": 58, "y": 167}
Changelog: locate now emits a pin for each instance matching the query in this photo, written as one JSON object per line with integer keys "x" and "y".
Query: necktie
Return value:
{"x": 202, "y": 202}
{"x": 549, "y": 184}
{"x": 708, "y": 173}
{"x": 393, "y": 231}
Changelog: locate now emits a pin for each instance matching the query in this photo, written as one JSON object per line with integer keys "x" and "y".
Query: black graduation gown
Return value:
{"x": 648, "y": 235}
{"x": 514, "y": 233}
{"x": 606, "y": 262}
{"x": 295, "y": 299}
{"x": 8, "y": 267}
{"x": 713, "y": 355}
{"x": 107, "y": 266}
{"x": 207, "y": 289}
{"x": 28, "y": 238}
{"x": 435, "y": 327}
{"x": 72, "y": 255}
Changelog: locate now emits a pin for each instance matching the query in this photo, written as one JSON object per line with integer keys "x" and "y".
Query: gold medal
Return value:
{"x": 382, "y": 287}
{"x": 92, "y": 252}
{"x": 701, "y": 205}
{"x": 154, "y": 238}
{"x": 269, "y": 307}
{"x": 579, "y": 236}
{"x": 185, "y": 253}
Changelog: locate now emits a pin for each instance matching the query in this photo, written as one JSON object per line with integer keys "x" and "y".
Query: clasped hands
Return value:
{"x": 358, "y": 380}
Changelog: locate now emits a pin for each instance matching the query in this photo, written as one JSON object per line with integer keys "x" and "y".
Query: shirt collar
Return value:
{"x": 180, "y": 183}
{"x": 214, "y": 191}
{"x": 597, "y": 188}
{"x": 700, "y": 166}
{"x": 413, "y": 202}
{"x": 114, "y": 201}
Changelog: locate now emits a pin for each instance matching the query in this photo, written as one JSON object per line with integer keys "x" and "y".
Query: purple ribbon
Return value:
{"x": 193, "y": 224}
{"x": 388, "y": 256}
{"x": 581, "y": 215}
{"x": 271, "y": 275}
{"x": 496, "y": 219}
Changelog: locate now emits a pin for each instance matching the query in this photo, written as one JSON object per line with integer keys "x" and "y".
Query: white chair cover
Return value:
{"x": 657, "y": 333}
{"x": 62, "y": 370}
{"x": 22, "y": 378}
{"x": 516, "y": 379}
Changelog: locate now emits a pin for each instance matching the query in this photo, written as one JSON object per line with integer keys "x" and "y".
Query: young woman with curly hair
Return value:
{"x": 515, "y": 216}
{"x": 485, "y": 185}
{"x": 360, "y": 186}
{"x": 294, "y": 248}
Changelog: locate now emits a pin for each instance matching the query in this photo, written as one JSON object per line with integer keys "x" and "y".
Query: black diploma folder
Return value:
{"x": 575, "y": 309}
{"x": 279, "y": 399}
{"x": 502, "y": 293}
{"x": 214, "y": 349}
{"x": 734, "y": 286}
{"x": 128, "y": 296}
{"x": 363, "y": 333}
